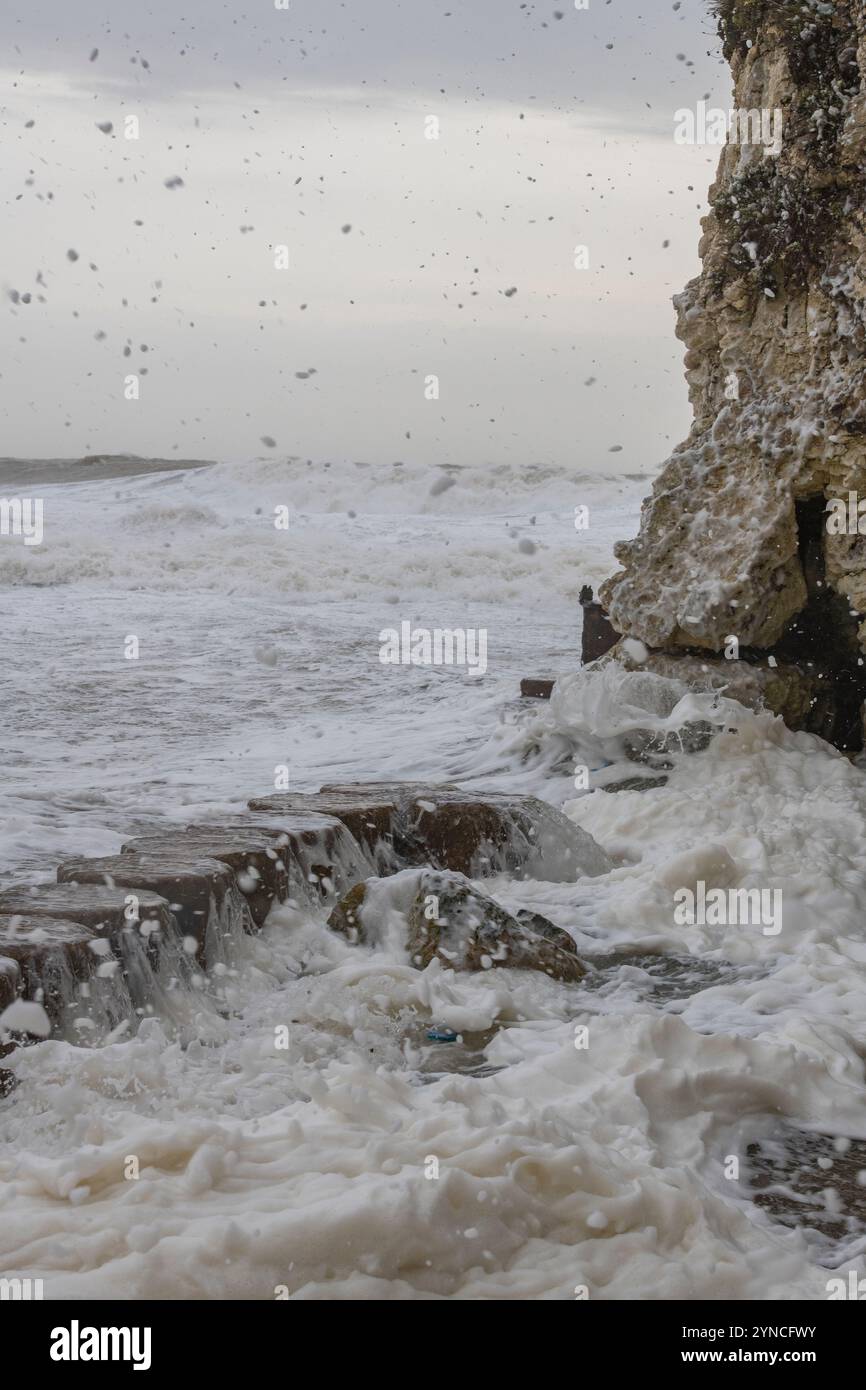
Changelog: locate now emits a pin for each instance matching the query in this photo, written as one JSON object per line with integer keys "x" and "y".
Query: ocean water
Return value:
{"x": 578, "y": 1142}
{"x": 258, "y": 646}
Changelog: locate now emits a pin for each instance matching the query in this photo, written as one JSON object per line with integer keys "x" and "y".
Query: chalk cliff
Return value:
{"x": 734, "y": 540}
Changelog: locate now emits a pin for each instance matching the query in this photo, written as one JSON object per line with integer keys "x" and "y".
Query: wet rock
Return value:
{"x": 10, "y": 975}
{"x": 345, "y": 916}
{"x": 807, "y": 1180}
{"x": 441, "y": 915}
{"x": 8, "y": 1079}
{"x": 655, "y": 749}
{"x": 477, "y": 833}
{"x": 598, "y": 634}
{"x": 139, "y": 926}
{"x": 481, "y": 833}
{"x": 636, "y": 715}
{"x": 634, "y": 784}
{"x": 320, "y": 855}
{"x": 370, "y": 819}
{"x": 469, "y": 834}
{"x": 398, "y": 793}
{"x": 804, "y": 699}
{"x": 31, "y": 941}
{"x": 535, "y": 688}
{"x": 540, "y": 925}
{"x": 52, "y": 957}
{"x": 255, "y": 856}
{"x": 202, "y": 893}
{"x": 107, "y": 911}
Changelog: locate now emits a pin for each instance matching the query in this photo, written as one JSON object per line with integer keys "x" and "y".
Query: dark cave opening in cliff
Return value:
{"x": 823, "y": 636}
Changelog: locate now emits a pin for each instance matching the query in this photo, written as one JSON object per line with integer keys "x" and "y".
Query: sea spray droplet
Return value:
{"x": 635, "y": 650}
{"x": 24, "y": 1016}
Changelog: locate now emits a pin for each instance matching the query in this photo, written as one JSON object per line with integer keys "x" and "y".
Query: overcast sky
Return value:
{"x": 286, "y": 126}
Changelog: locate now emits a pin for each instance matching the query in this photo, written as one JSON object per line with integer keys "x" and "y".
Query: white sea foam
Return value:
{"x": 304, "y": 1169}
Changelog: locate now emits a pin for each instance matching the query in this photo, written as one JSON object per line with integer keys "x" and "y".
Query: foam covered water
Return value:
{"x": 307, "y": 1168}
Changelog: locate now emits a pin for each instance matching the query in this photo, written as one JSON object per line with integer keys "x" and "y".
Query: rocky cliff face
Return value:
{"x": 734, "y": 539}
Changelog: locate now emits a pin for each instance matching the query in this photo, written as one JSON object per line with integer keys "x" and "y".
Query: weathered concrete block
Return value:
{"x": 52, "y": 956}
{"x": 372, "y": 820}
{"x": 319, "y": 855}
{"x": 202, "y": 893}
{"x": 253, "y": 855}
{"x": 107, "y": 911}
{"x": 536, "y": 687}
{"x": 138, "y": 925}
{"x": 31, "y": 941}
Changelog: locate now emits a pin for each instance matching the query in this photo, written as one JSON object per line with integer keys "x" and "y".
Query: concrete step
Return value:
{"x": 202, "y": 893}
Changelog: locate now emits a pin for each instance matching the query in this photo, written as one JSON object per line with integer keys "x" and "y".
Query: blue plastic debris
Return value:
{"x": 441, "y": 1035}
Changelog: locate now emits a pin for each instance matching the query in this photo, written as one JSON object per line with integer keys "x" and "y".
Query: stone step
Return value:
{"x": 51, "y": 956}
{"x": 202, "y": 893}
{"x": 203, "y": 884}
{"x": 479, "y": 833}
{"x": 371, "y": 820}
{"x": 107, "y": 911}
{"x": 398, "y": 792}
{"x": 255, "y": 856}
{"x": 139, "y": 926}
{"x": 320, "y": 855}
{"x": 406, "y": 823}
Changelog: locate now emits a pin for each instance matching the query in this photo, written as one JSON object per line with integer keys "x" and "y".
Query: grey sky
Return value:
{"x": 288, "y": 125}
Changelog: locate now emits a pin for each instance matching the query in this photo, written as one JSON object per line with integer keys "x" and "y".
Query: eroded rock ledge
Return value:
{"x": 118, "y": 938}
{"x": 733, "y": 540}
